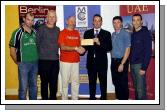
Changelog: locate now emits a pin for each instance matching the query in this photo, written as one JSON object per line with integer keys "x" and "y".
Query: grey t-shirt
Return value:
{"x": 47, "y": 42}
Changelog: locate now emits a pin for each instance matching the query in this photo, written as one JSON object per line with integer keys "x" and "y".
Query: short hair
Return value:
{"x": 118, "y": 17}
{"x": 51, "y": 11}
{"x": 29, "y": 13}
{"x": 97, "y": 15}
{"x": 137, "y": 15}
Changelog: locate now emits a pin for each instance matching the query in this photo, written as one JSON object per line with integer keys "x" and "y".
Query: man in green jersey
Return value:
{"x": 23, "y": 51}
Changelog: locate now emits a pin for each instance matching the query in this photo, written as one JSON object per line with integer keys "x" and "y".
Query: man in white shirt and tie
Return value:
{"x": 97, "y": 57}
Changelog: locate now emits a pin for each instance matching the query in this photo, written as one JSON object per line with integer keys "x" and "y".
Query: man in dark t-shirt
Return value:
{"x": 47, "y": 36}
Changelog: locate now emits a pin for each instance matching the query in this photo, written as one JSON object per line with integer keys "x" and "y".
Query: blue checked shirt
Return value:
{"x": 120, "y": 41}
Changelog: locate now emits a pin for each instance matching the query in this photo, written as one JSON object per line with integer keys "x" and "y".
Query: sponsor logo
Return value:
{"x": 31, "y": 42}
{"x": 81, "y": 16}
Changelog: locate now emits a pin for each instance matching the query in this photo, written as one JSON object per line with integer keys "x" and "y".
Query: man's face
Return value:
{"x": 117, "y": 24}
{"x": 97, "y": 22}
{"x": 136, "y": 21}
{"x": 29, "y": 20}
{"x": 71, "y": 21}
{"x": 51, "y": 18}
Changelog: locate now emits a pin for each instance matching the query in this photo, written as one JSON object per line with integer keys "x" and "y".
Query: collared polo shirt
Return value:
{"x": 25, "y": 44}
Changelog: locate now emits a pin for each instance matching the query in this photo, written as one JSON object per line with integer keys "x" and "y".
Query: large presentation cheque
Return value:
{"x": 86, "y": 42}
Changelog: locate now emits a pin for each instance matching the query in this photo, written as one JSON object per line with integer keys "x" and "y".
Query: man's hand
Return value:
{"x": 142, "y": 72}
{"x": 120, "y": 68}
{"x": 80, "y": 50}
{"x": 96, "y": 40}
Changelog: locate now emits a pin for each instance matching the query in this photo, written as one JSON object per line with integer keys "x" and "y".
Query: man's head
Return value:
{"x": 29, "y": 19}
{"x": 137, "y": 21}
{"x": 117, "y": 22}
{"x": 51, "y": 17}
{"x": 71, "y": 21}
{"x": 97, "y": 21}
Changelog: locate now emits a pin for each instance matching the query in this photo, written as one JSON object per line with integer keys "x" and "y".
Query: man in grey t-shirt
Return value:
{"x": 47, "y": 36}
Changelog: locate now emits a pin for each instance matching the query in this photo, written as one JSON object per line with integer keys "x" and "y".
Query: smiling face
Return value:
{"x": 137, "y": 22}
{"x": 117, "y": 24}
{"x": 51, "y": 17}
{"x": 29, "y": 20}
{"x": 71, "y": 21}
{"x": 97, "y": 22}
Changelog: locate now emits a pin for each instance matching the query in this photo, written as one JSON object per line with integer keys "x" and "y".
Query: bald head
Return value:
{"x": 70, "y": 17}
{"x": 71, "y": 21}
{"x": 51, "y": 17}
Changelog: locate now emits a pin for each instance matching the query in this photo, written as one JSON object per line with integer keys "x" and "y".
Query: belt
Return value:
{"x": 116, "y": 59}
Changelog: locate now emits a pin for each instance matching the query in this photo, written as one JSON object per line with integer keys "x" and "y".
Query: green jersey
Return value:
{"x": 25, "y": 44}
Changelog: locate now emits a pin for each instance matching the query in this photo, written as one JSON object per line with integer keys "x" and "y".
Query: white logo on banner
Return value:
{"x": 81, "y": 16}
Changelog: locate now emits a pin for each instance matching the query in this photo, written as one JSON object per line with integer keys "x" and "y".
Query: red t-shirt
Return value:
{"x": 69, "y": 38}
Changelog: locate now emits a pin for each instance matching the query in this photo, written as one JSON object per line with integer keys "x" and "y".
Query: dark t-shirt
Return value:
{"x": 47, "y": 42}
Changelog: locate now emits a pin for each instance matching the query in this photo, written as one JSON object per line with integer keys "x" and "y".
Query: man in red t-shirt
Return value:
{"x": 70, "y": 50}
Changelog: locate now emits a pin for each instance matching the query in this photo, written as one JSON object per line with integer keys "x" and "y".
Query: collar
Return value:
{"x": 97, "y": 29}
{"x": 32, "y": 30}
{"x": 138, "y": 29}
{"x": 118, "y": 31}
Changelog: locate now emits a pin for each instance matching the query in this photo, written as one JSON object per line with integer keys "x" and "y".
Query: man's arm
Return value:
{"x": 67, "y": 48}
{"x": 126, "y": 55}
{"x": 79, "y": 49}
{"x": 127, "y": 42}
{"x": 13, "y": 44}
{"x": 39, "y": 35}
{"x": 148, "y": 49}
{"x": 13, "y": 54}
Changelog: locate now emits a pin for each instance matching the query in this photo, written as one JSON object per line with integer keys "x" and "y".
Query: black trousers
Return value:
{"x": 49, "y": 70}
{"x": 120, "y": 79}
{"x": 102, "y": 75}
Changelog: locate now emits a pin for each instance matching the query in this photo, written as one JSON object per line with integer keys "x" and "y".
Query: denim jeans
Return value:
{"x": 139, "y": 82}
{"x": 27, "y": 75}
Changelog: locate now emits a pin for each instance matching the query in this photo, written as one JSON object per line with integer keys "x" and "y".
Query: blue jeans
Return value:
{"x": 27, "y": 75}
{"x": 139, "y": 82}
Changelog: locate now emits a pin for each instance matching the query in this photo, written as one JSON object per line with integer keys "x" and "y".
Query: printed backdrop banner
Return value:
{"x": 148, "y": 14}
{"x": 39, "y": 11}
{"x": 128, "y": 10}
{"x": 84, "y": 17}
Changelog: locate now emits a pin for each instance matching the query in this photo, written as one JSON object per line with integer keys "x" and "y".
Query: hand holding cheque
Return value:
{"x": 87, "y": 42}
{"x": 80, "y": 49}
{"x": 96, "y": 40}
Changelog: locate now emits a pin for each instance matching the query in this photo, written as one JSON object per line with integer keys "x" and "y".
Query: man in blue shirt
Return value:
{"x": 140, "y": 56}
{"x": 119, "y": 64}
